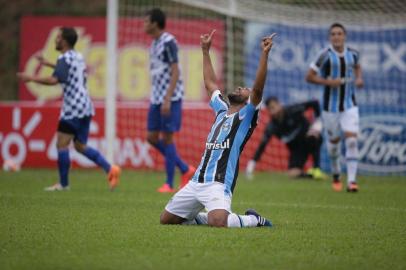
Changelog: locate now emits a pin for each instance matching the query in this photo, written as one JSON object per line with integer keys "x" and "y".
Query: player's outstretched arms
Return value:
{"x": 210, "y": 79}
{"x": 41, "y": 80}
{"x": 313, "y": 77}
{"x": 44, "y": 61}
{"x": 257, "y": 89}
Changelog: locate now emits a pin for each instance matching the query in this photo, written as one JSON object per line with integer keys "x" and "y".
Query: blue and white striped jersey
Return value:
{"x": 332, "y": 64}
{"x": 70, "y": 71}
{"x": 225, "y": 143}
{"x": 163, "y": 53}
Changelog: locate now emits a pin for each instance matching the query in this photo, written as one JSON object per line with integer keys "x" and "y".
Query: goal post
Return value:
{"x": 111, "y": 78}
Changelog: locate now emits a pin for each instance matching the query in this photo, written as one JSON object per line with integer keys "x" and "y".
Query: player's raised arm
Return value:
{"x": 210, "y": 79}
{"x": 44, "y": 61}
{"x": 257, "y": 89}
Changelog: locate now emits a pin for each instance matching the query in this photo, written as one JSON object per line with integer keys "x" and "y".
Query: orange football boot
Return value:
{"x": 337, "y": 186}
{"x": 352, "y": 187}
{"x": 114, "y": 176}
{"x": 166, "y": 188}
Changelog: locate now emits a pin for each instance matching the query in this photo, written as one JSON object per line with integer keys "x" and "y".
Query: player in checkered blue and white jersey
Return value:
{"x": 77, "y": 109}
{"x": 165, "y": 113}
{"x": 338, "y": 69}
{"x": 213, "y": 183}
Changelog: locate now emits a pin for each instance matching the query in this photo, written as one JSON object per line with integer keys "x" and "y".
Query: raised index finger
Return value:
{"x": 212, "y": 32}
{"x": 272, "y": 35}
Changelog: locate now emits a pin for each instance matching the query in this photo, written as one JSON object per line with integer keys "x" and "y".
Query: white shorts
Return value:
{"x": 346, "y": 121}
{"x": 194, "y": 197}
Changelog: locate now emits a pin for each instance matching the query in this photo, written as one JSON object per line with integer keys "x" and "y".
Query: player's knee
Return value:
{"x": 335, "y": 140}
{"x": 152, "y": 139}
{"x": 351, "y": 147}
{"x": 333, "y": 149}
{"x": 217, "y": 221}
{"x": 61, "y": 146}
{"x": 164, "y": 219}
{"x": 80, "y": 147}
{"x": 62, "y": 142}
{"x": 168, "y": 218}
{"x": 349, "y": 134}
{"x": 168, "y": 138}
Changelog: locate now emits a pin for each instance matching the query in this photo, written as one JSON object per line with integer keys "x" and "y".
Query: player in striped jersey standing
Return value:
{"x": 77, "y": 109}
{"x": 213, "y": 183}
{"x": 165, "y": 112}
{"x": 338, "y": 69}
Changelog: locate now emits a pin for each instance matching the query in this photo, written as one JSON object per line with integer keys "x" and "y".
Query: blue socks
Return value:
{"x": 171, "y": 159}
{"x": 161, "y": 146}
{"x": 97, "y": 158}
{"x": 63, "y": 166}
{"x": 170, "y": 155}
{"x": 64, "y": 163}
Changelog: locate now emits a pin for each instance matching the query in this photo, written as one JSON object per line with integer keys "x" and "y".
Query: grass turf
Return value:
{"x": 92, "y": 228}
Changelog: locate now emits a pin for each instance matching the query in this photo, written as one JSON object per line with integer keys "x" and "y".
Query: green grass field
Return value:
{"x": 92, "y": 228}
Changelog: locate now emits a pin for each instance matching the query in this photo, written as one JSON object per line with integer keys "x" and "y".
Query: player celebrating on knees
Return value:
{"x": 213, "y": 183}
{"x": 165, "y": 112}
{"x": 335, "y": 68}
{"x": 77, "y": 109}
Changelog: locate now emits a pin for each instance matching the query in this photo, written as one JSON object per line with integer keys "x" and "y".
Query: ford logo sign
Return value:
{"x": 383, "y": 144}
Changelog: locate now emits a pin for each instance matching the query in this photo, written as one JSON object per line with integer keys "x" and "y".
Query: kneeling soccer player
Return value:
{"x": 212, "y": 185}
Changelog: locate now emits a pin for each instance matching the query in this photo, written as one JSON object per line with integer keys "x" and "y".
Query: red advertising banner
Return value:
{"x": 28, "y": 128}
{"x": 28, "y": 137}
{"x": 38, "y": 37}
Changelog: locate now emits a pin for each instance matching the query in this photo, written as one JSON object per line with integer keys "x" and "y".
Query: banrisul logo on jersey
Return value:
{"x": 218, "y": 145}
{"x": 383, "y": 144}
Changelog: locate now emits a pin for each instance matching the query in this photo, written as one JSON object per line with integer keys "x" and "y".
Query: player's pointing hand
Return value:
{"x": 267, "y": 42}
{"x": 205, "y": 40}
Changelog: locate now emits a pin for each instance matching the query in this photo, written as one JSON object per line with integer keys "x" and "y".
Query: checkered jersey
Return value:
{"x": 163, "y": 53}
{"x": 70, "y": 71}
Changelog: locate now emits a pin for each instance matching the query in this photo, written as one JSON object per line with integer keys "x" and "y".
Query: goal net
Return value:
{"x": 377, "y": 29}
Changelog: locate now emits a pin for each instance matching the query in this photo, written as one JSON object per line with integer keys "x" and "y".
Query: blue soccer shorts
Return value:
{"x": 78, "y": 127}
{"x": 169, "y": 123}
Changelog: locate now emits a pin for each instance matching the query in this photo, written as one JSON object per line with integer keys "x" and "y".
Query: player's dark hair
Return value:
{"x": 69, "y": 35}
{"x": 334, "y": 25}
{"x": 158, "y": 16}
{"x": 271, "y": 99}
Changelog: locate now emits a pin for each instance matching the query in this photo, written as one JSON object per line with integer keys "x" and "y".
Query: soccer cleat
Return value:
{"x": 352, "y": 187}
{"x": 337, "y": 186}
{"x": 317, "y": 174}
{"x": 184, "y": 179}
{"x": 114, "y": 176}
{"x": 166, "y": 188}
{"x": 57, "y": 187}
{"x": 262, "y": 222}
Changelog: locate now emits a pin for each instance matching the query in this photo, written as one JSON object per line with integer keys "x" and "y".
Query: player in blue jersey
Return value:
{"x": 213, "y": 183}
{"x": 165, "y": 113}
{"x": 77, "y": 109}
{"x": 338, "y": 69}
